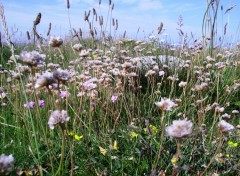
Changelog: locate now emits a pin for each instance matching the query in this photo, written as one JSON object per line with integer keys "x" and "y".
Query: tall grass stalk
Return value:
{"x": 28, "y": 115}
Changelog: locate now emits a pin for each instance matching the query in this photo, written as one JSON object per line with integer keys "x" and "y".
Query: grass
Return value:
{"x": 125, "y": 135}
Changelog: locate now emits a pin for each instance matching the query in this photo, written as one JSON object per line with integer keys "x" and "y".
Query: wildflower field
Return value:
{"x": 98, "y": 104}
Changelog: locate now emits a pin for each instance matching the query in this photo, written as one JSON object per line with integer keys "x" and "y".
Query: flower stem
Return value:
{"x": 161, "y": 142}
{"x": 213, "y": 157}
{"x": 176, "y": 157}
{"x": 62, "y": 152}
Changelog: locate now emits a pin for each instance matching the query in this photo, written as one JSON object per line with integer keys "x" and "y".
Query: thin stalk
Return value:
{"x": 161, "y": 143}
{"x": 216, "y": 152}
{"x": 62, "y": 152}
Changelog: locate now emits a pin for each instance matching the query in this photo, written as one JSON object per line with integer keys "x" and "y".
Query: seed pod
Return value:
{"x": 80, "y": 33}
{"x": 124, "y": 35}
{"x": 28, "y": 36}
{"x": 116, "y": 24}
{"x": 160, "y": 28}
{"x": 225, "y": 28}
{"x": 138, "y": 30}
{"x": 85, "y": 16}
{"x": 38, "y": 19}
{"x": 95, "y": 31}
{"x": 92, "y": 33}
{"x": 75, "y": 34}
{"x": 101, "y": 20}
{"x": 49, "y": 29}
{"x": 89, "y": 13}
{"x": 113, "y": 22}
{"x": 68, "y": 4}
{"x": 94, "y": 11}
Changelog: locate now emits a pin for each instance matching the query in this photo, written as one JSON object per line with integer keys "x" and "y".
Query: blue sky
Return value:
{"x": 131, "y": 14}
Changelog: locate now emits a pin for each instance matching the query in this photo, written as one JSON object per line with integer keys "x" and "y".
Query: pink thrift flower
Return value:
{"x": 64, "y": 94}
{"x": 161, "y": 73}
{"x": 114, "y": 98}
{"x": 41, "y": 103}
{"x": 29, "y": 105}
{"x": 180, "y": 129}
{"x": 225, "y": 127}
{"x": 165, "y": 104}
{"x": 57, "y": 117}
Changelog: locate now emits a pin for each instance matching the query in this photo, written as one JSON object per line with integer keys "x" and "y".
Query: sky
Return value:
{"x": 145, "y": 15}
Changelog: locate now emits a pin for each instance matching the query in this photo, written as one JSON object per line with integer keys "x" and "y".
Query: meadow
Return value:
{"x": 100, "y": 104}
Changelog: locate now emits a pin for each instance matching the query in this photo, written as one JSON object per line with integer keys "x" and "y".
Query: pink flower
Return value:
{"x": 29, "y": 105}
{"x": 225, "y": 127}
{"x": 114, "y": 98}
{"x": 57, "y": 117}
{"x": 161, "y": 73}
{"x": 64, "y": 94}
{"x": 165, "y": 104}
{"x": 180, "y": 128}
{"x": 6, "y": 164}
{"x": 41, "y": 103}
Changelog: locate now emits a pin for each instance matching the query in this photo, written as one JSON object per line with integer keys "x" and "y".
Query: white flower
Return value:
{"x": 225, "y": 127}
{"x": 90, "y": 84}
{"x": 3, "y": 95}
{"x": 55, "y": 41}
{"x": 201, "y": 87}
{"x": 150, "y": 73}
{"x": 226, "y": 116}
{"x": 235, "y": 112}
{"x": 180, "y": 128}
{"x": 32, "y": 58}
{"x": 56, "y": 117}
{"x": 161, "y": 73}
{"x": 6, "y": 164}
{"x": 45, "y": 80}
{"x": 182, "y": 84}
{"x": 84, "y": 53}
{"x": 127, "y": 65}
{"x": 219, "y": 109}
{"x": 78, "y": 47}
{"x": 220, "y": 65}
{"x": 165, "y": 104}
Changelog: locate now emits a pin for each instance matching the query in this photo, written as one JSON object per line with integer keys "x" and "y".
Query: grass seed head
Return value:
{"x": 38, "y": 19}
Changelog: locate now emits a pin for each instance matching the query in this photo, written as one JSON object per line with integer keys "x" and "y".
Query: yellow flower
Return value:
{"x": 235, "y": 144}
{"x": 115, "y": 145}
{"x": 78, "y": 137}
{"x": 232, "y": 144}
{"x": 103, "y": 151}
{"x": 71, "y": 133}
{"x": 227, "y": 155}
{"x": 134, "y": 135}
{"x": 95, "y": 56}
{"x": 107, "y": 54}
{"x": 153, "y": 129}
{"x": 174, "y": 160}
